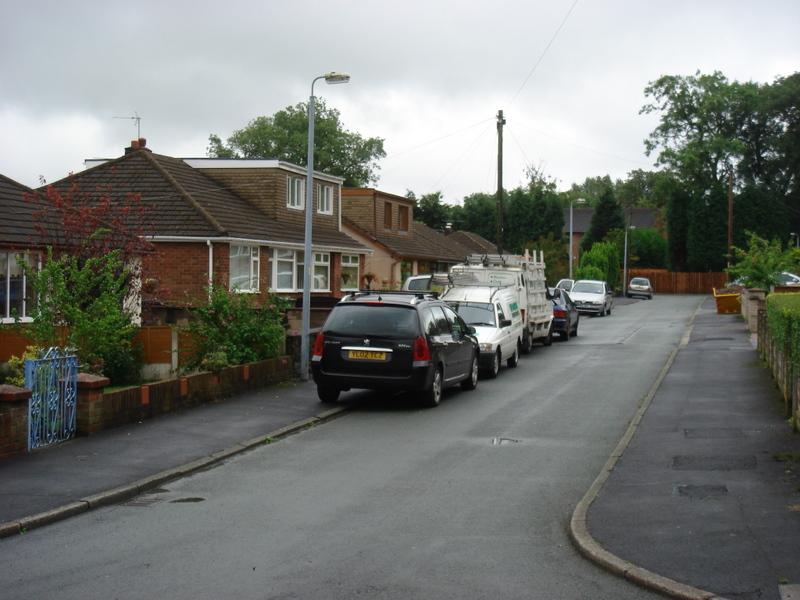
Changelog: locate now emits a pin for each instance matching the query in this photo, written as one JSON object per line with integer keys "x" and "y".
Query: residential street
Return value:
{"x": 468, "y": 500}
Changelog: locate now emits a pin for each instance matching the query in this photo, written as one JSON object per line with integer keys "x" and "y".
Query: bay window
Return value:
{"x": 288, "y": 269}
{"x": 15, "y": 288}
{"x": 244, "y": 265}
{"x": 350, "y": 276}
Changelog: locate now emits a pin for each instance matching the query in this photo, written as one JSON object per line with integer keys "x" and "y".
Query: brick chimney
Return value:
{"x": 139, "y": 144}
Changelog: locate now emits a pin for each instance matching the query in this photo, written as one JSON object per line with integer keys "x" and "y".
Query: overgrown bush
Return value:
{"x": 80, "y": 305}
{"x": 604, "y": 258}
{"x": 762, "y": 262}
{"x": 230, "y": 329}
{"x": 783, "y": 321}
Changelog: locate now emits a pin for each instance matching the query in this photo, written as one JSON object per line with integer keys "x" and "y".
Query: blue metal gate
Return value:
{"x": 52, "y": 409}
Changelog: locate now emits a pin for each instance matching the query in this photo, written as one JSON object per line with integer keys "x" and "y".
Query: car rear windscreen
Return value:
{"x": 380, "y": 320}
{"x": 420, "y": 284}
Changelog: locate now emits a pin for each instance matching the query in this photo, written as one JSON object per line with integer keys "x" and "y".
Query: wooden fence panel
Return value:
{"x": 669, "y": 282}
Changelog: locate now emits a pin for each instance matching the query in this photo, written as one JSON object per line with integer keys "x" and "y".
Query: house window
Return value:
{"x": 403, "y": 217}
{"x": 387, "y": 215}
{"x": 289, "y": 271}
{"x": 295, "y": 192}
{"x": 244, "y": 263}
{"x": 349, "y": 278}
{"x": 15, "y": 288}
{"x": 325, "y": 199}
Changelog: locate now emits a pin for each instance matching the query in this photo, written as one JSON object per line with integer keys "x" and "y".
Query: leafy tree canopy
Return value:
{"x": 607, "y": 216}
{"x": 431, "y": 210}
{"x": 760, "y": 264}
{"x": 284, "y": 136}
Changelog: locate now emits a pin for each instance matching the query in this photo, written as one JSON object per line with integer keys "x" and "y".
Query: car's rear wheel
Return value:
{"x": 513, "y": 361}
{"x": 565, "y": 335}
{"x": 471, "y": 382}
{"x": 527, "y": 342}
{"x": 575, "y": 331}
{"x": 433, "y": 395}
{"x": 328, "y": 395}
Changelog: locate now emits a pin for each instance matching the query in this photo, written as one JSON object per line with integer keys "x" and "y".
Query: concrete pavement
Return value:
{"x": 704, "y": 500}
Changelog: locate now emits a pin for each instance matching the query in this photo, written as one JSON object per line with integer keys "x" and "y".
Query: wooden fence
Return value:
{"x": 669, "y": 282}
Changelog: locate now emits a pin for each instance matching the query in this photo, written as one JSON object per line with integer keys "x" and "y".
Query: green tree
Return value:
{"x": 607, "y": 216}
{"x": 760, "y": 264}
{"x": 556, "y": 256}
{"x": 648, "y": 247}
{"x": 602, "y": 257}
{"x": 431, "y": 210}
{"x": 591, "y": 190}
{"x": 284, "y": 136}
{"x": 479, "y": 215}
{"x": 80, "y": 304}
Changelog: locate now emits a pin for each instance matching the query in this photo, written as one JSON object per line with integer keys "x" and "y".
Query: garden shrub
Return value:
{"x": 230, "y": 329}
{"x": 783, "y": 322}
{"x": 604, "y": 258}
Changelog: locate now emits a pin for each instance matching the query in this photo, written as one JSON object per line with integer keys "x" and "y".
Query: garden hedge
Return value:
{"x": 783, "y": 322}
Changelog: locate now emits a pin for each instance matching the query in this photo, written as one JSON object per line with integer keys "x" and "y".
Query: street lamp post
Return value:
{"x": 577, "y": 201}
{"x": 625, "y": 261}
{"x": 305, "y": 328}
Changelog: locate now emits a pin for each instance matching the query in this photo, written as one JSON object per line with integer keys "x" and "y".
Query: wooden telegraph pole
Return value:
{"x": 500, "y": 122}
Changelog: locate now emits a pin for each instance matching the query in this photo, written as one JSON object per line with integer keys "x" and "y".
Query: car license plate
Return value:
{"x": 365, "y": 355}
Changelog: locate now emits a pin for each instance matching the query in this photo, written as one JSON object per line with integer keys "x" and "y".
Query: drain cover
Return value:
{"x": 701, "y": 492}
{"x": 713, "y": 433}
{"x": 183, "y": 500}
{"x": 713, "y": 463}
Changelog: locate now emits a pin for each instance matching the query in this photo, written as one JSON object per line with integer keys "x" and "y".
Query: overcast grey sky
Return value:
{"x": 421, "y": 71}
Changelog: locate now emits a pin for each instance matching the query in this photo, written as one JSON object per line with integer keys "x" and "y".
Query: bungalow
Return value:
{"x": 237, "y": 223}
{"x": 400, "y": 246}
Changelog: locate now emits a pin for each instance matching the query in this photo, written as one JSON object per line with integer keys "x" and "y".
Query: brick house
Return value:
{"x": 400, "y": 246}
{"x": 18, "y": 243}
{"x": 237, "y": 223}
{"x": 641, "y": 218}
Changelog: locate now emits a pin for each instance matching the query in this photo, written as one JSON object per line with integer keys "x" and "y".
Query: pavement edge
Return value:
{"x": 124, "y": 492}
{"x": 578, "y": 528}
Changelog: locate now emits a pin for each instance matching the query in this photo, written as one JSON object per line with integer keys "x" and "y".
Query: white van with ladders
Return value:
{"x": 524, "y": 274}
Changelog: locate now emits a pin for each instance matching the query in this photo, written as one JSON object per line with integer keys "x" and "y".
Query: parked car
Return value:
{"x": 565, "y": 284}
{"x": 395, "y": 341}
{"x": 640, "y": 286}
{"x": 495, "y": 314}
{"x": 786, "y": 278}
{"x": 417, "y": 283}
{"x": 592, "y": 296}
{"x": 565, "y": 315}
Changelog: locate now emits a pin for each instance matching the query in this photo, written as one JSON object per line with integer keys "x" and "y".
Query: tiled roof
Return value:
{"x": 16, "y": 215}
{"x": 641, "y": 218}
{"x": 182, "y": 201}
{"x": 423, "y": 243}
{"x": 473, "y": 242}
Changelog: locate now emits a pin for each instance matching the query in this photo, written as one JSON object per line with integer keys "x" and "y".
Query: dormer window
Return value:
{"x": 403, "y": 217}
{"x": 295, "y": 192}
{"x": 387, "y": 215}
{"x": 325, "y": 199}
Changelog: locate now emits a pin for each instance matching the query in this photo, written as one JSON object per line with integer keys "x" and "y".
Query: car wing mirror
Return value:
{"x": 471, "y": 330}
{"x": 505, "y": 323}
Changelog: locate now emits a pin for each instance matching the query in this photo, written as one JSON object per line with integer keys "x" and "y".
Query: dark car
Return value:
{"x": 565, "y": 314}
{"x": 399, "y": 341}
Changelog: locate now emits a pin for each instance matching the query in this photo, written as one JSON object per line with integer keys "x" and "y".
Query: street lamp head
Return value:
{"x": 334, "y": 78}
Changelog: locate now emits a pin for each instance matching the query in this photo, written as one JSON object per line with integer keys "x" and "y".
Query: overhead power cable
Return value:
{"x": 546, "y": 48}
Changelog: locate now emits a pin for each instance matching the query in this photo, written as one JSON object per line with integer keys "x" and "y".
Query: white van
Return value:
{"x": 495, "y": 314}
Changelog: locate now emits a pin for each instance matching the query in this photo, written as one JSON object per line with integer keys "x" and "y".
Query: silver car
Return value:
{"x": 592, "y": 296}
{"x": 640, "y": 286}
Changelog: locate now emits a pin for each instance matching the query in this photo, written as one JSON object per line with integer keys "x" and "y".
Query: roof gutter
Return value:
{"x": 260, "y": 242}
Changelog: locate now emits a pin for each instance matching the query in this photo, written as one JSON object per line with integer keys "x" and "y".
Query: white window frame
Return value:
{"x": 324, "y": 199}
{"x": 5, "y": 310}
{"x": 349, "y": 261}
{"x": 321, "y": 259}
{"x": 295, "y": 192}
{"x": 254, "y": 263}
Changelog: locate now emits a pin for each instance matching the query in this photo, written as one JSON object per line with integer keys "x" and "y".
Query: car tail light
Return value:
{"x": 559, "y": 313}
{"x": 319, "y": 345}
{"x": 421, "y": 350}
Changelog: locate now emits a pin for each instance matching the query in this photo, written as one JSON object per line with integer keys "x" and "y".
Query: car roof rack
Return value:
{"x": 417, "y": 296}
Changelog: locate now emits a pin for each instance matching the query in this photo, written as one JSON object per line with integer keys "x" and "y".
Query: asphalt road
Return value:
{"x": 467, "y": 500}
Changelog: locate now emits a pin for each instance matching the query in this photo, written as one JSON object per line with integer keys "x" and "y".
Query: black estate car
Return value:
{"x": 389, "y": 340}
